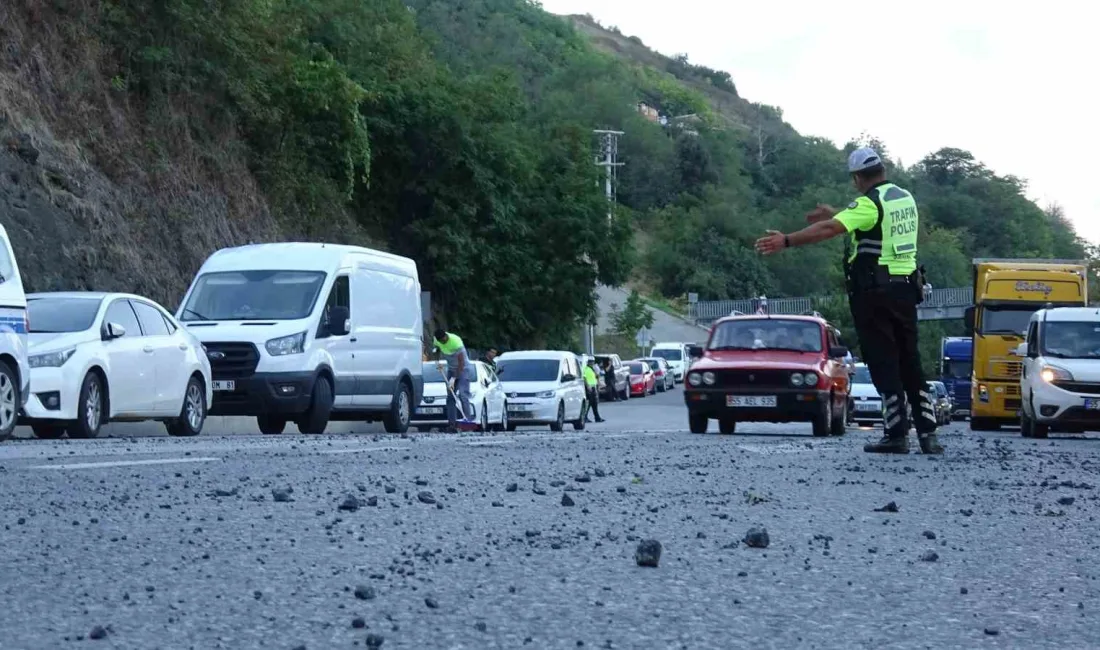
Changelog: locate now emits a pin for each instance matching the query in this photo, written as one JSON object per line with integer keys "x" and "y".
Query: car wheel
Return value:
{"x": 270, "y": 426}
{"x": 320, "y": 406}
{"x": 625, "y": 394}
{"x": 698, "y": 423}
{"x": 840, "y": 421}
{"x": 559, "y": 423}
{"x": 90, "y": 411}
{"x": 823, "y": 420}
{"x": 397, "y": 419}
{"x": 504, "y": 424}
{"x": 47, "y": 431}
{"x": 727, "y": 426}
{"x": 578, "y": 424}
{"x": 9, "y": 401}
{"x": 193, "y": 413}
{"x": 484, "y": 427}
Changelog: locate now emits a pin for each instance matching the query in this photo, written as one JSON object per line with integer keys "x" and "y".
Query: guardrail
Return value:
{"x": 710, "y": 310}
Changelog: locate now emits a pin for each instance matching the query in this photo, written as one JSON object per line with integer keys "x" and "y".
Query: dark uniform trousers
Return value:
{"x": 886, "y": 323}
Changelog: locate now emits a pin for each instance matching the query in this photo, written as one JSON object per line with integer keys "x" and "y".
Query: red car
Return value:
{"x": 642, "y": 380}
{"x": 765, "y": 368}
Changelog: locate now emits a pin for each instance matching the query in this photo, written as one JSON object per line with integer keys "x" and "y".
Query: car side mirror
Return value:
{"x": 339, "y": 321}
{"x": 838, "y": 352}
{"x": 695, "y": 351}
{"x": 968, "y": 319}
{"x": 113, "y": 331}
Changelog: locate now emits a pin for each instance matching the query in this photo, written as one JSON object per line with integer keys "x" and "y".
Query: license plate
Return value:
{"x": 864, "y": 406}
{"x": 224, "y": 385}
{"x": 516, "y": 408}
{"x": 431, "y": 410}
{"x": 1092, "y": 404}
{"x": 751, "y": 401}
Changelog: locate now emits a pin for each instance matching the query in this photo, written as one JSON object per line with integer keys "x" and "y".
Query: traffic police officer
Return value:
{"x": 884, "y": 289}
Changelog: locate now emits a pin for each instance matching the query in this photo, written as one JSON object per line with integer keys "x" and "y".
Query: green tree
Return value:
{"x": 633, "y": 317}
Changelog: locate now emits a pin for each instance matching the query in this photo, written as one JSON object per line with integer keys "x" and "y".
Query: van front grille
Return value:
{"x": 232, "y": 360}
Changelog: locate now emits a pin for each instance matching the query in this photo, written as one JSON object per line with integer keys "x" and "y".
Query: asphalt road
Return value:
{"x": 236, "y": 540}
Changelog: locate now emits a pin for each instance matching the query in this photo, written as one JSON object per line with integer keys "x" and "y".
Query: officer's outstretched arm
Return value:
{"x": 818, "y": 232}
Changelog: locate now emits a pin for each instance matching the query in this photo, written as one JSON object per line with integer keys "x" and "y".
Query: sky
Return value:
{"x": 1014, "y": 84}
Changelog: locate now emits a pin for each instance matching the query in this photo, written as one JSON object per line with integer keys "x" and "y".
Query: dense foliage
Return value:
{"x": 459, "y": 133}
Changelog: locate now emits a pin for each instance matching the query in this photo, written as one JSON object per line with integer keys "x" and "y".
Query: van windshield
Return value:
{"x": 1069, "y": 339}
{"x": 528, "y": 369}
{"x": 253, "y": 295}
{"x": 668, "y": 354}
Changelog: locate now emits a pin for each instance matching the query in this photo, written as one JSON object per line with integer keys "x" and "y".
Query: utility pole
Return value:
{"x": 608, "y": 159}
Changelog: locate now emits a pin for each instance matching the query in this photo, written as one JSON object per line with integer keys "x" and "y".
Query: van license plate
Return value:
{"x": 1092, "y": 404}
{"x": 225, "y": 385}
{"x": 751, "y": 401}
{"x": 431, "y": 410}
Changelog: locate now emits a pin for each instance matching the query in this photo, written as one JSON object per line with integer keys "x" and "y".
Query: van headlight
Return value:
{"x": 695, "y": 379}
{"x": 1054, "y": 373}
{"x": 284, "y": 345}
{"x": 51, "y": 359}
{"x": 546, "y": 394}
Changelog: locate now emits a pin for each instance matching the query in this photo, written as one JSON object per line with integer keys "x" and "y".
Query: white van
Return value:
{"x": 309, "y": 333}
{"x": 1060, "y": 377}
{"x": 542, "y": 387}
{"x": 15, "y": 375}
{"x": 676, "y": 354}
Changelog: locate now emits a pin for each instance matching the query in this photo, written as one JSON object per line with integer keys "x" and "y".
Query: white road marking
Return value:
{"x": 775, "y": 449}
{"x": 125, "y": 463}
{"x": 361, "y": 449}
{"x": 489, "y": 443}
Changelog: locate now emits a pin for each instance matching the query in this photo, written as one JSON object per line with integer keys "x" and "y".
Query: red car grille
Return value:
{"x": 750, "y": 378}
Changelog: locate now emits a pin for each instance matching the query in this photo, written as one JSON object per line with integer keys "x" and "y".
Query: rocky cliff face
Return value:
{"x": 99, "y": 193}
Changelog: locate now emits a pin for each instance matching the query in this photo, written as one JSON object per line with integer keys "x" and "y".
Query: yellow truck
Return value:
{"x": 1006, "y": 293}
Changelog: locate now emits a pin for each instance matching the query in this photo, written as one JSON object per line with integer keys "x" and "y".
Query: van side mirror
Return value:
{"x": 113, "y": 331}
{"x": 968, "y": 319}
{"x": 1020, "y": 350}
{"x": 566, "y": 378}
{"x": 838, "y": 352}
{"x": 695, "y": 351}
{"x": 339, "y": 321}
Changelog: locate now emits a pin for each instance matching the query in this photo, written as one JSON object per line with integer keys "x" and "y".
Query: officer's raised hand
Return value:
{"x": 771, "y": 243}
{"x": 822, "y": 212}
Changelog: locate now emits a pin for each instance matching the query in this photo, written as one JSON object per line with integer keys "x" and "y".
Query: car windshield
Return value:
{"x": 669, "y": 354}
{"x": 253, "y": 295}
{"x": 49, "y": 315}
{"x": 861, "y": 376}
{"x": 767, "y": 334}
{"x": 957, "y": 368}
{"x": 1005, "y": 321}
{"x": 528, "y": 369}
{"x": 636, "y": 368}
{"x": 1069, "y": 340}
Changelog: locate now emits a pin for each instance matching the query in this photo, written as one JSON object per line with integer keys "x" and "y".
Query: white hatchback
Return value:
{"x": 1060, "y": 378}
{"x": 486, "y": 399}
{"x": 864, "y": 402}
{"x": 97, "y": 357}
{"x": 543, "y": 387}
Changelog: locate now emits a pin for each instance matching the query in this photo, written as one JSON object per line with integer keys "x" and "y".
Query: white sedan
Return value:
{"x": 486, "y": 399}
{"x": 97, "y": 357}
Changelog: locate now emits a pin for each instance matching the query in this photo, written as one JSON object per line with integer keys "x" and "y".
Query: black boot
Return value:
{"x": 895, "y": 424}
{"x": 926, "y": 424}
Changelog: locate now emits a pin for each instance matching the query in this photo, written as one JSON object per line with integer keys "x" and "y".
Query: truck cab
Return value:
{"x": 956, "y": 370}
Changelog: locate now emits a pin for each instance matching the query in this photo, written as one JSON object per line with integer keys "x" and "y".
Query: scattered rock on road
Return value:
{"x": 889, "y": 507}
{"x": 929, "y": 556}
{"x": 281, "y": 495}
{"x": 648, "y": 553}
{"x": 426, "y": 497}
{"x": 364, "y": 592}
{"x": 350, "y": 503}
{"x": 98, "y": 632}
{"x": 567, "y": 501}
{"x": 757, "y": 537}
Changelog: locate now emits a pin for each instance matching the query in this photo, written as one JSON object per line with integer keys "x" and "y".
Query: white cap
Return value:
{"x": 863, "y": 158}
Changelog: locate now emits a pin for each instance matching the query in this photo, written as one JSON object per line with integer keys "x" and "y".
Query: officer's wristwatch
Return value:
{"x": 786, "y": 241}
